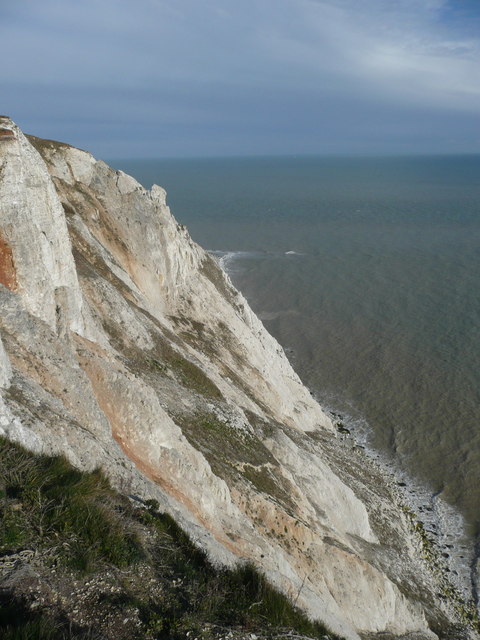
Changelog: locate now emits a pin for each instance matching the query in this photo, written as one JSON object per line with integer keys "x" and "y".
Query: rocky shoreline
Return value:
{"x": 127, "y": 348}
{"x": 440, "y": 521}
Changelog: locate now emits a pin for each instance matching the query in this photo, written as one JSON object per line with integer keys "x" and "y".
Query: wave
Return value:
{"x": 228, "y": 259}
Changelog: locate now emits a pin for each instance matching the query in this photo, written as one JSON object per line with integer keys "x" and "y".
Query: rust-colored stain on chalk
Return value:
{"x": 7, "y": 134}
{"x": 8, "y": 276}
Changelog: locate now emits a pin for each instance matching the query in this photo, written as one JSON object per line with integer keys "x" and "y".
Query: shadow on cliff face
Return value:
{"x": 19, "y": 622}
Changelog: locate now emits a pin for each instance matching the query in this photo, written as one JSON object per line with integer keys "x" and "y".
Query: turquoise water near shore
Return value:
{"x": 368, "y": 269}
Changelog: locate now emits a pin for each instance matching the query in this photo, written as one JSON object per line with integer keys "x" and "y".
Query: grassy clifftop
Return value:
{"x": 80, "y": 561}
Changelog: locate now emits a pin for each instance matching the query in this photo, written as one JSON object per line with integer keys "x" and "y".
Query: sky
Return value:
{"x": 183, "y": 78}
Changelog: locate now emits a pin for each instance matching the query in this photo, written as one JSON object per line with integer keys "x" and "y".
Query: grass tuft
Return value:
{"x": 241, "y": 596}
{"x": 46, "y": 504}
{"x": 45, "y": 497}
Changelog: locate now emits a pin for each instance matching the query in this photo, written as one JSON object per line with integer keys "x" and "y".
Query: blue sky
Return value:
{"x": 162, "y": 78}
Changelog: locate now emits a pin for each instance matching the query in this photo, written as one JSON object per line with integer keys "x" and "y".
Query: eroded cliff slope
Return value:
{"x": 125, "y": 346}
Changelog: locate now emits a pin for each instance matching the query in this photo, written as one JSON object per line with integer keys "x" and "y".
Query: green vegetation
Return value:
{"x": 45, "y": 498}
{"x": 165, "y": 361}
{"x": 237, "y": 597}
{"x": 78, "y": 527}
{"x": 264, "y": 480}
{"x": 43, "y": 144}
{"x": 243, "y": 454}
{"x": 466, "y": 610}
{"x": 187, "y": 373}
{"x": 341, "y": 428}
{"x": 18, "y": 622}
{"x": 206, "y": 430}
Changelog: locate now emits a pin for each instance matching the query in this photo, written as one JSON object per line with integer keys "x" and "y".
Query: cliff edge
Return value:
{"x": 125, "y": 346}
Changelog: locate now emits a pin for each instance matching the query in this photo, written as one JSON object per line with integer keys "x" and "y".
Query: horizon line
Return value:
{"x": 323, "y": 156}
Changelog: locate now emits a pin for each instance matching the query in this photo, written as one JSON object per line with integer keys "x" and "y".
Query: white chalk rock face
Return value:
{"x": 5, "y": 367}
{"x": 126, "y": 346}
{"x": 34, "y": 229}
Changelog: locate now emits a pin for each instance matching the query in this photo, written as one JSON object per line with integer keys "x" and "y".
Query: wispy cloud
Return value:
{"x": 257, "y": 75}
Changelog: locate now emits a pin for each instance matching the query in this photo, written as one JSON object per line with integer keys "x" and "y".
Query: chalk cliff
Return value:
{"x": 126, "y": 347}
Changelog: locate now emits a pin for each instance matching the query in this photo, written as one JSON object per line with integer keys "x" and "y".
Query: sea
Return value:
{"x": 367, "y": 271}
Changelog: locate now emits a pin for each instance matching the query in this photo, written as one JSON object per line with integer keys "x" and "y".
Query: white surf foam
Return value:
{"x": 228, "y": 259}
